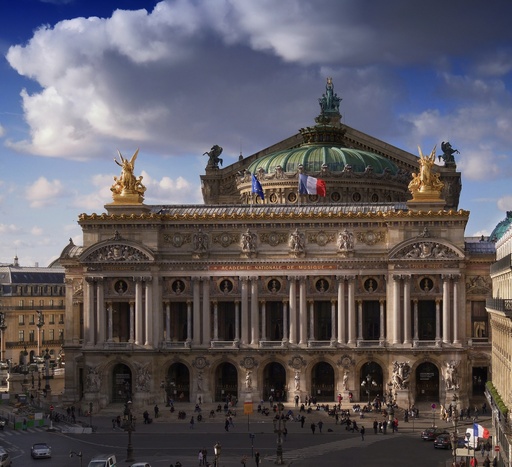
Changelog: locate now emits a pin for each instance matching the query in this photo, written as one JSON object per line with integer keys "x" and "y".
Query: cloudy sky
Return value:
{"x": 80, "y": 79}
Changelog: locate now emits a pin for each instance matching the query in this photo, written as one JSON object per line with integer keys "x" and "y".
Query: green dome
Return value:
{"x": 501, "y": 228}
{"x": 312, "y": 158}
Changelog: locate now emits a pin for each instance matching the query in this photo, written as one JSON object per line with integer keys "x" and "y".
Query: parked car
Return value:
{"x": 430, "y": 434}
{"x": 40, "y": 451}
{"x": 141, "y": 464}
{"x": 103, "y": 460}
{"x": 5, "y": 460}
{"x": 445, "y": 442}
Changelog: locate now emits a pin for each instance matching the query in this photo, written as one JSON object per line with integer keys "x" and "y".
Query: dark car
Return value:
{"x": 40, "y": 451}
{"x": 445, "y": 442}
{"x": 430, "y": 434}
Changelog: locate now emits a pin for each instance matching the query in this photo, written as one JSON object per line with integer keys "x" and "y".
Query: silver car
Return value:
{"x": 41, "y": 451}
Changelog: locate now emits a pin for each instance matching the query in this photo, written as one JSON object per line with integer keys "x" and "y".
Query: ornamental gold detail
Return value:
{"x": 371, "y": 237}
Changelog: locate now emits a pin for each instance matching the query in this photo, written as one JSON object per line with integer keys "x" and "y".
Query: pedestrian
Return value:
{"x": 375, "y": 426}
{"x": 205, "y": 454}
{"x": 296, "y": 401}
{"x": 384, "y": 426}
{"x": 285, "y": 433}
{"x": 320, "y": 425}
{"x": 200, "y": 457}
{"x": 487, "y": 462}
{"x": 302, "y": 420}
{"x": 156, "y": 409}
{"x": 192, "y": 421}
{"x": 226, "y": 425}
{"x": 361, "y": 430}
{"x": 495, "y": 462}
{"x": 313, "y": 428}
{"x": 114, "y": 423}
{"x": 257, "y": 458}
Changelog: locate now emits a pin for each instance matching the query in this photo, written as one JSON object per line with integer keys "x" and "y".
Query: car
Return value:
{"x": 103, "y": 460}
{"x": 141, "y": 464}
{"x": 445, "y": 442}
{"x": 5, "y": 460}
{"x": 430, "y": 434}
{"x": 41, "y": 451}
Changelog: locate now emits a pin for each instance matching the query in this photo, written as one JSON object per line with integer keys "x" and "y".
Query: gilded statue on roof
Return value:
{"x": 127, "y": 187}
{"x": 426, "y": 181}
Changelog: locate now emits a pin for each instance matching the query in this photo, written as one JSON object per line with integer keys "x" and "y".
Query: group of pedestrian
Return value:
{"x": 202, "y": 457}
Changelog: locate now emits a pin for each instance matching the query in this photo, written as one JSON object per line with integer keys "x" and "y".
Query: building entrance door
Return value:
{"x": 226, "y": 382}
{"x": 427, "y": 383}
{"x": 274, "y": 382}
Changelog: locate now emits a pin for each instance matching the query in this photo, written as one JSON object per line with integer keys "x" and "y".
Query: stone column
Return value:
{"x": 333, "y": 321}
{"x": 456, "y": 309}
{"x": 285, "y": 321}
{"x": 138, "y": 312}
{"x": 237, "y": 320}
{"x": 263, "y": 320}
{"x": 446, "y": 308}
{"x": 351, "y": 311}
{"x": 110, "y": 323}
{"x": 396, "y": 310}
{"x": 89, "y": 321}
{"x": 341, "y": 309}
{"x": 245, "y": 311}
{"x": 196, "y": 313}
{"x": 255, "y": 316}
{"x": 359, "y": 320}
{"x": 382, "y": 324}
{"x": 167, "y": 321}
{"x": 311, "y": 320}
{"x": 438, "y": 320}
{"x": 132, "y": 322}
{"x": 293, "y": 310}
{"x": 189, "y": 321}
{"x": 303, "y": 312}
{"x": 207, "y": 329}
{"x": 407, "y": 309}
{"x": 215, "y": 320}
{"x": 100, "y": 307}
{"x": 149, "y": 312}
{"x": 416, "y": 321}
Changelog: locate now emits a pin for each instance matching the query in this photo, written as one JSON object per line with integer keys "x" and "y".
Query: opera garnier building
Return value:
{"x": 330, "y": 263}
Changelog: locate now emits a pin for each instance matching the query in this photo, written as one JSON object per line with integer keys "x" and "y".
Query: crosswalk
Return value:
{"x": 8, "y": 432}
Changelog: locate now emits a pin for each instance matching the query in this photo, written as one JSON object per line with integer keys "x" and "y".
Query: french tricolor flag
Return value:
{"x": 311, "y": 185}
{"x": 480, "y": 432}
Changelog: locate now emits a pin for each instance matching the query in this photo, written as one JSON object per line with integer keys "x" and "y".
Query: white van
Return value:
{"x": 103, "y": 460}
{"x": 5, "y": 460}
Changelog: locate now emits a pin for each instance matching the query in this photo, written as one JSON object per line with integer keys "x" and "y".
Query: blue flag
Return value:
{"x": 256, "y": 187}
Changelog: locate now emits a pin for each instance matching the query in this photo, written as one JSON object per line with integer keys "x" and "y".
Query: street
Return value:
{"x": 164, "y": 442}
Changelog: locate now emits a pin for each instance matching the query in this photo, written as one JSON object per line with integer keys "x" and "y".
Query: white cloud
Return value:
{"x": 44, "y": 192}
{"x": 36, "y": 231}
{"x": 8, "y": 228}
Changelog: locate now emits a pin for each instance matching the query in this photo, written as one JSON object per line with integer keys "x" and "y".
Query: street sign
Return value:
{"x": 51, "y": 408}
{"x": 248, "y": 408}
{"x": 497, "y": 448}
{"x": 433, "y": 406}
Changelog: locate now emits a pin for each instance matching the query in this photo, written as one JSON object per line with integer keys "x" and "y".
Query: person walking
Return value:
{"x": 361, "y": 430}
{"x": 313, "y": 428}
{"x": 226, "y": 425}
{"x": 192, "y": 421}
{"x": 302, "y": 420}
{"x": 200, "y": 457}
{"x": 375, "y": 426}
{"x": 156, "y": 409}
{"x": 320, "y": 425}
{"x": 257, "y": 458}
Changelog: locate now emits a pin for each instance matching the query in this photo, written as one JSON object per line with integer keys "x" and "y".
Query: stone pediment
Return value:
{"x": 116, "y": 251}
{"x": 426, "y": 249}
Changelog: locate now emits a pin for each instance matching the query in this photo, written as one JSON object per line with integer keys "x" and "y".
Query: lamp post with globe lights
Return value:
{"x": 279, "y": 429}
{"x": 454, "y": 408}
{"x": 216, "y": 450}
{"x": 367, "y": 384}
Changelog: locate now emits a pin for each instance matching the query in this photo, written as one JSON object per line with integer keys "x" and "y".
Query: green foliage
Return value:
{"x": 497, "y": 398}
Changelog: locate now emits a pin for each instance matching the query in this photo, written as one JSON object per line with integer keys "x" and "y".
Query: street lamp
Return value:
{"x": 129, "y": 426}
{"x": 390, "y": 402}
{"x": 279, "y": 428}
{"x": 216, "y": 450}
{"x": 40, "y": 324}
{"x": 367, "y": 384}
{"x": 3, "y": 327}
{"x": 77, "y": 454}
{"x": 47, "y": 370}
{"x": 455, "y": 418}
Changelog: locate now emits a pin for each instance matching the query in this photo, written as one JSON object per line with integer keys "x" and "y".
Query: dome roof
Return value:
{"x": 313, "y": 157}
{"x": 501, "y": 228}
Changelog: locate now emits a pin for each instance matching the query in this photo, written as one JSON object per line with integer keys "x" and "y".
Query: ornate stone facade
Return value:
{"x": 256, "y": 299}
